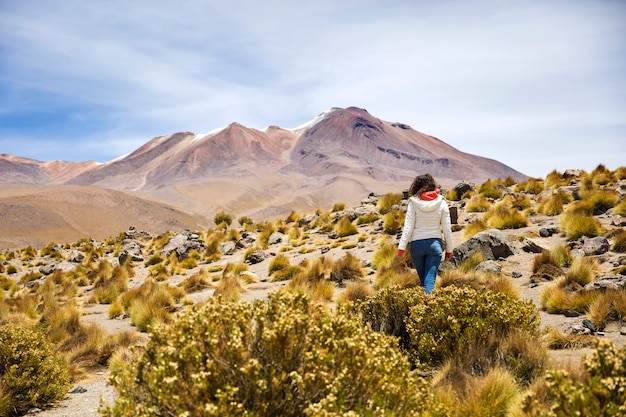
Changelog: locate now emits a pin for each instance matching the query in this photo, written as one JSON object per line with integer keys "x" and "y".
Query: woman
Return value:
{"x": 427, "y": 215}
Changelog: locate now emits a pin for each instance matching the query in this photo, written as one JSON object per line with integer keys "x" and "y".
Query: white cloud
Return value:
{"x": 474, "y": 74}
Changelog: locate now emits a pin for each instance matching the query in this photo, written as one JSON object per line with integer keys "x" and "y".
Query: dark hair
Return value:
{"x": 422, "y": 183}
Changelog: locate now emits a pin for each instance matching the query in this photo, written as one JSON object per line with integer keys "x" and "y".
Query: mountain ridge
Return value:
{"x": 340, "y": 156}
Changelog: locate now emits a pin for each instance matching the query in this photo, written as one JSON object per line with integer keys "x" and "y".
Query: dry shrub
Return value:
{"x": 387, "y": 310}
{"x": 601, "y": 391}
{"x": 284, "y": 357}
{"x": 453, "y": 319}
{"x": 32, "y": 374}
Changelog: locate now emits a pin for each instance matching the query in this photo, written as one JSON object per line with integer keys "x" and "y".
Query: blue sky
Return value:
{"x": 536, "y": 84}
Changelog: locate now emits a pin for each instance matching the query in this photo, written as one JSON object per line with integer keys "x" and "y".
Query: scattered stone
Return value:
{"x": 132, "y": 250}
{"x": 256, "y": 257}
{"x": 78, "y": 390}
{"x": 492, "y": 244}
{"x": 596, "y": 245}
{"x": 548, "y": 231}
{"x": 589, "y": 325}
{"x": 76, "y": 256}
{"x": 275, "y": 238}
{"x": 48, "y": 268}
{"x": 533, "y": 246}
{"x": 228, "y": 248}
{"x": 489, "y": 266}
{"x": 608, "y": 282}
{"x": 619, "y": 221}
{"x": 516, "y": 274}
{"x": 182, "y": 244}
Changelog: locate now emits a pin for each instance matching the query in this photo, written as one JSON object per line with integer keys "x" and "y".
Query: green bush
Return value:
{"x": 282, "y": 357}
{"x": 452, "y": 319}
{"x": 31, "y": 373}
{"x": 603, "y": 393}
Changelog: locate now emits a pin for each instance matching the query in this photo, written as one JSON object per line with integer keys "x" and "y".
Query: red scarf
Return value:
{"x": 430, "y": 195}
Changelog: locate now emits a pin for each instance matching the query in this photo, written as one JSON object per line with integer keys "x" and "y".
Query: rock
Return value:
{"x": 609, "y": 282}
{"x": 275, "y": 238}
{"x": 182, "y": 244}
{"x": 548, "y": 231}
{"x": 463, "y": 187}
{"x": 589, "y": 325}
{"x": 76, "y": 256}
{"x": 131, "y": 250}
{"x": 618, "y": 221}
{"x": 48, "y": 268}
{"x": 248, "y": 239}
{"x": 228, "y": 248}
{"x": 533, "y": 246}
{"x": 596, "y": 245}
{"x": 256, "y": 257}
{"x": 492, "y": 243}
{"x": 78, "y": 390}
{"x": 489, "y": 266}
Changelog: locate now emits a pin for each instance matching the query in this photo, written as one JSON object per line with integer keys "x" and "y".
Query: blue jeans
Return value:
{"x": 426, "y": 257}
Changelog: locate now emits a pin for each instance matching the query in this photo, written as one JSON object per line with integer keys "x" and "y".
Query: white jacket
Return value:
{"x": 427, "y": 219}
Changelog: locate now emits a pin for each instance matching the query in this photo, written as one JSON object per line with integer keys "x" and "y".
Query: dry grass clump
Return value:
{"x": 501, "y": 216}
{"x": 338, "y": 207}
{"x": 531, "y": 186}
{"x": 356, "y": 291}
{"x": 368, "y": 218}
{"x": 314, "y": 280}
{"x": 199, "y": 281}
{"x": 609, "y": 306}
{"x": 620, "y": 208}
{"x": 387, "y": 201}
{"x": 619, "y": 241}
{"x": 476, "y": 226}
{"x": 348, "y": 268}
{"x": 478, "y": 204}
{"x": 491, "y": 188}
{"x": 345, "y": 227}
{"x": 556, "y": 339}
{"x": 553, "y": 205}
{"x": 392, "y": 221}
{"x": 576, "y": 224}
{"x": 518, "y": 200}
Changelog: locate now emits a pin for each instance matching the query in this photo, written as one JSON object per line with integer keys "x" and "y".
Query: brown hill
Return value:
{"x": 34, "y": 215}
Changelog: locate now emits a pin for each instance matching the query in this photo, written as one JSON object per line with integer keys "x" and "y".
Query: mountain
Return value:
{"x": 340, "y": 156}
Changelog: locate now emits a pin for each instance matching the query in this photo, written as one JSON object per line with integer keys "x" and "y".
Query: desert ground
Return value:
{"x": 95, "y": 388}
